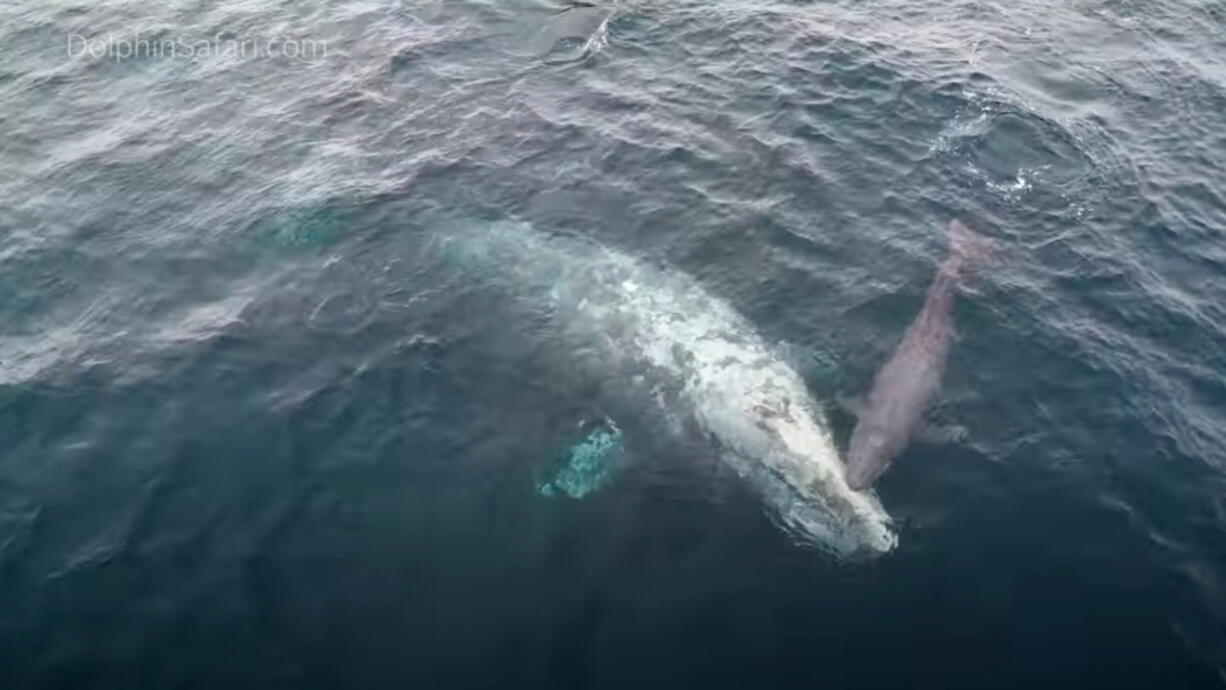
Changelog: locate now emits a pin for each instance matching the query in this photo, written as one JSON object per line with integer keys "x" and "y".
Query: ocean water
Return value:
{"x": 262, "y": 426}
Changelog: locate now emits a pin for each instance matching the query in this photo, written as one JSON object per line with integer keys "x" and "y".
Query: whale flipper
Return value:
{"x": 941, "y": 435}
{"x": 853, "y": 404}
{"x": 572, "y": 33}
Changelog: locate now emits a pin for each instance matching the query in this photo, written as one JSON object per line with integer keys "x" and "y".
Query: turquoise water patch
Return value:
{"x": 298, "y": 228}
{"x": 585, "y": 466}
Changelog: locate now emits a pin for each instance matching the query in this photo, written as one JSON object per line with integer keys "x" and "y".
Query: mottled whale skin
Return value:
{"x": 894, "y": 409}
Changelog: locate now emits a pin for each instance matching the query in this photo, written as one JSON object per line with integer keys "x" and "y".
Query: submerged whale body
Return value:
{"x": 893, "y": 411}
{"x": 661, "y": 325}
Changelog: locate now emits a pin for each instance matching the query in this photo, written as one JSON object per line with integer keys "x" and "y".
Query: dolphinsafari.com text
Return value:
{"x": 136, "y": 47}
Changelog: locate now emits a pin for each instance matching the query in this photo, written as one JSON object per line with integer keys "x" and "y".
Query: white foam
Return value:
{"x": 750, "y": 402}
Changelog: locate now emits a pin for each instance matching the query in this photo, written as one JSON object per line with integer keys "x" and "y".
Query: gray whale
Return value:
{"x": 652, "y": 324}
{"x": 894, "y": 409}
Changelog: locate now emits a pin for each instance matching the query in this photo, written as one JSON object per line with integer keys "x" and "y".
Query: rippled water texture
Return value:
{"x": 256, "y": 432}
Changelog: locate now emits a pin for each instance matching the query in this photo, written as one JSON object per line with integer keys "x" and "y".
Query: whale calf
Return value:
{"x": 894, "y": 409}
{"x": 641, "y": 322}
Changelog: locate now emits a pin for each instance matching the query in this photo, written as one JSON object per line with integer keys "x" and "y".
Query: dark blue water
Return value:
{"x": 258, "y": 430}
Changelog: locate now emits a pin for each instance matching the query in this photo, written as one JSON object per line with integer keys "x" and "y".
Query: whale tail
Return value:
{"x": 968, "y": 249}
